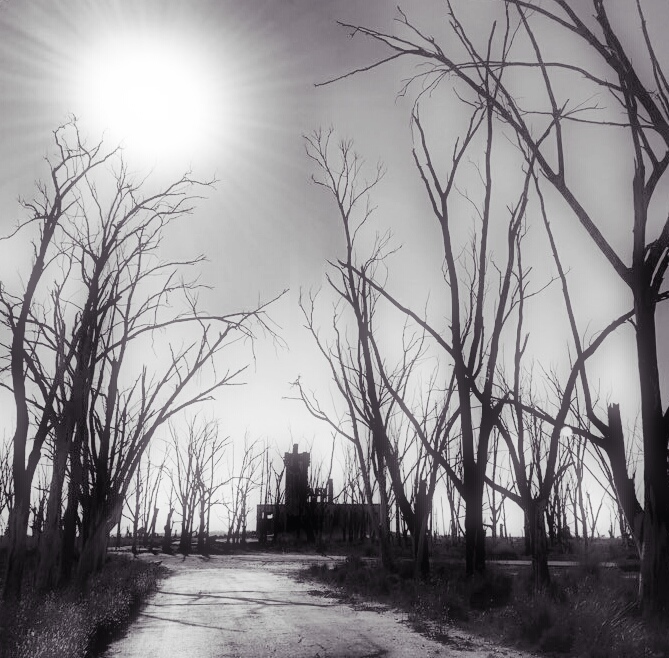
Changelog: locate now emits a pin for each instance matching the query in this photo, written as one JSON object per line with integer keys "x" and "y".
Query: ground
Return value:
{"x": 254, "y": 605}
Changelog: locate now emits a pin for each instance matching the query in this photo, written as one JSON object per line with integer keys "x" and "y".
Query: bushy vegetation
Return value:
{"x": 587, "y": 611}
{"x": 73, "y": 623}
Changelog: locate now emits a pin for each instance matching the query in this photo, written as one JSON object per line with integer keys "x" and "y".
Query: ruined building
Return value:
{"x": 311, "y": 513}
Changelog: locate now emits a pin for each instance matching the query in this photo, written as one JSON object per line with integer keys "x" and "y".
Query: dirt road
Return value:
{"x": 251, "y": 607}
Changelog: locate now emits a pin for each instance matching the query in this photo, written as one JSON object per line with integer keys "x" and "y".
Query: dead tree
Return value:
{"x": 359, "y": 371}
{"x": 196, "y": 451}
{"x": 99, "y": 230}
{"x": 597, "y": 53}
{"x": 472, "y": 344}
{"x": 74, "y": 160}
{"x": 243, "y": 479}
{"x": 208, "y": 487}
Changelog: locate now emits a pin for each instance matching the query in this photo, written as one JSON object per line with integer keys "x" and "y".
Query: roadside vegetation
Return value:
{"x": 76, "y": 624}
{"x": 588, "y": 610}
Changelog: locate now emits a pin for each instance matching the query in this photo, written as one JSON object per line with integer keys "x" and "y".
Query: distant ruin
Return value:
{"x": 311, "y": 513}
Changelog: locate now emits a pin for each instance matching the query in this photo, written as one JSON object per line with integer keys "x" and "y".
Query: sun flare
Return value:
{"x": 154, "y": 95}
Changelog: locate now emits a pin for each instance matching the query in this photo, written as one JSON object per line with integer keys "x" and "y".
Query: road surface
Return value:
{"x": 251, "y": 606}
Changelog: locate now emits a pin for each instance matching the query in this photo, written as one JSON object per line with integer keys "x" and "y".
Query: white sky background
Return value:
{"x": 266, "y": 227}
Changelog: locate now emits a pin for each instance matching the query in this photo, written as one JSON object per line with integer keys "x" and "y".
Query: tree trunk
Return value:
{"x": 184, "y": 539}
{"x": 421, "y": 548}
{"x": 94, "y": 550}
{"x": 167, "y": 537}
{"x": 201, "y": 537}
{"x": 135, "y": 517}
{"x": 75, "y": 487}
{"x": 624, "y": 485}
{"x": 384, "y": 535}
{"x": 16, "y": 550}
{"x": 384, "y": 530}
{"x": 69, "y": 531}
{"x": 539, "y": 545}
{"x": 654, "y": 578}
{"x": 527, "y": 527}
{"x": 152, "y": 529}
{"x": 581, "y": 506}
{"x": 48, "y": 570}
{"x": 474, "y": 530}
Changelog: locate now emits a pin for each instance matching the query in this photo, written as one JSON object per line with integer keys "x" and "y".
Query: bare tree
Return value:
{"x": 244, "y": 479}
{"x": 601, "y": 61}
{"x": 73, "y": 161}
{"x": 196, "y": 452}
{"x": 355, "y": 362}
{"x": 473, "y": 342}
{"x": 153, "y": 475}
{"x": 70, "y": 362}
{"x": 271, "y": 495}
{"x": 208, "y": 486}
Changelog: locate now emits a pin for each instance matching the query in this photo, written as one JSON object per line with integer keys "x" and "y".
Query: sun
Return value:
{"x": 156, "y": 94}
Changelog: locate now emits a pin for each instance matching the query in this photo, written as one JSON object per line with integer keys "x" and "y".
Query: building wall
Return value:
{"x": 323, "y": 521}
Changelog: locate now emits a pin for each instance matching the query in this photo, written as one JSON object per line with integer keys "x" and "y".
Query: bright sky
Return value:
{"x": 227, "y": 88}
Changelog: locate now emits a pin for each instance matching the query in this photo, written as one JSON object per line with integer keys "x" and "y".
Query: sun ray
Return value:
{"x": 155, "y": 95}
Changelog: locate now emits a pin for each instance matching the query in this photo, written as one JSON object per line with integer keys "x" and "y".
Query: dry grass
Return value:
{"x": 588, "y": 611}
{"x": 75, "y": 625}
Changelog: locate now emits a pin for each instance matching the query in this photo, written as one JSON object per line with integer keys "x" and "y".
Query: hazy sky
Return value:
{"x": 246, "y": 72}
{"x": 264, "y": 228}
